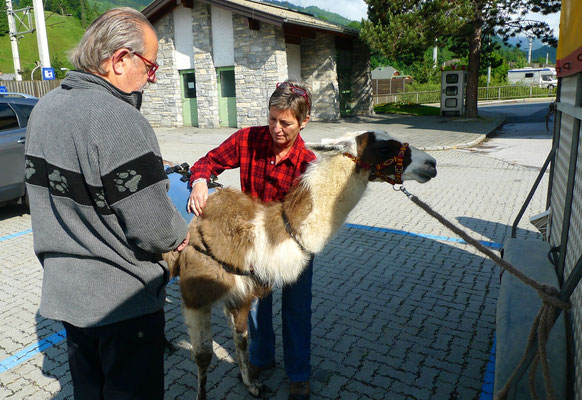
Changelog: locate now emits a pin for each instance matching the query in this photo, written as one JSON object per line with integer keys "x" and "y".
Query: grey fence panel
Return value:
{"x": 34, "y": 88}
{"x": 484, "y": 93}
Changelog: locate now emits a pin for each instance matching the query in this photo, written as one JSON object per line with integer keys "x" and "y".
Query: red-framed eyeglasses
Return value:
{"x": 151, "y": 66}
{"x": 295, "y": 90}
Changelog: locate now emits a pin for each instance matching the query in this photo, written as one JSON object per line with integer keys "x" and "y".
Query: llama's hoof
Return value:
{"x": 258, "y": 390}
{"x": 170, "y": 347}
{"x": 201, "y": 396}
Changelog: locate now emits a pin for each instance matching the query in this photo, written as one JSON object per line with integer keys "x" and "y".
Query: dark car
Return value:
{"x": 14, "y": 112}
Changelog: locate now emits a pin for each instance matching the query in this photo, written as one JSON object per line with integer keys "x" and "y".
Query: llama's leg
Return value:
{"x": 238, "y": 321}
{"x": 198, "y": 322}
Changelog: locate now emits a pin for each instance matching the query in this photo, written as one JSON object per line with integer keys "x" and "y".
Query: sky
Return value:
{"x": 358, "y": 9}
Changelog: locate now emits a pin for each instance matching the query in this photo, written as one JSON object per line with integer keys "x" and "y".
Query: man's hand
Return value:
{"x": 184, "y": 243}
{"x": 197, "y": 199}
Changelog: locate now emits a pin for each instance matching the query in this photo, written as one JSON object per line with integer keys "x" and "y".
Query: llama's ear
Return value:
{"x": 327, "y": 147}
{"x": 365, "y": 140}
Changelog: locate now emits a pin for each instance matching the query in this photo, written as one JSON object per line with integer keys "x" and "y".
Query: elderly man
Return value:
{"x": 100, "y": 212}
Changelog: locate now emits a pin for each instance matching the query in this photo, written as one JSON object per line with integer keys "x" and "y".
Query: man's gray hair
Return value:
{"x": 116, "y": 29}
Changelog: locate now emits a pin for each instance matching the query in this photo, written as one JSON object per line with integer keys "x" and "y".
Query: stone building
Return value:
{"x": 221, "y": 59}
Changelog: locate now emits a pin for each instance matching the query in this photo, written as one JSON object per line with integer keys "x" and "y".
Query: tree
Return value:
{"x": 3, "y": 20}
{"x": 404, "y": 29}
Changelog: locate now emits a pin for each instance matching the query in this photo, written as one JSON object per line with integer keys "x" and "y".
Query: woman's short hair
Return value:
{"x": 116, "y": 29}
{"x": 294, "y": 96}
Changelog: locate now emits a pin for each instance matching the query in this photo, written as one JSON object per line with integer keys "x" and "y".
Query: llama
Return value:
{"x": 242, "y": 247}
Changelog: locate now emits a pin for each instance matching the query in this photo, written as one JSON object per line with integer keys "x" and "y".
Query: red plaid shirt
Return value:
{"x": 251, "y": 150}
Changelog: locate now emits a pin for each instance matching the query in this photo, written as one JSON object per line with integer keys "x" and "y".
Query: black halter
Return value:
{"x": 231, "y": 269}
{"x": 291, "y": 233}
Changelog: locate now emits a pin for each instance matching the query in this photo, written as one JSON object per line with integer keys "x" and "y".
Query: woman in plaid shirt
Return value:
{"x": 270, "y": 159}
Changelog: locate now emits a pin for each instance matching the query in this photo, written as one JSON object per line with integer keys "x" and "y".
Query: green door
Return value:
{"x": 226, "y": 96}
{"x": 189, "y": 101}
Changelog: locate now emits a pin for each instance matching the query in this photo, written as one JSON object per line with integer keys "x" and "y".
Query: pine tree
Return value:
{"x": 3, "y": 21}
{"x": 405, "y": 29}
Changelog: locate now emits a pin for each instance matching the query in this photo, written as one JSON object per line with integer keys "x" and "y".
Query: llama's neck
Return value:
{"x": 335, "y": 190}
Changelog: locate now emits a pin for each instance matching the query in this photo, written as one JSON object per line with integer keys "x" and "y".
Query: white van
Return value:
{"x": 541, "y": 77}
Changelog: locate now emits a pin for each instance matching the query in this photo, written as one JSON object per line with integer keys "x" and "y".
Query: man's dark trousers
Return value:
{"x": 124, "y": 360}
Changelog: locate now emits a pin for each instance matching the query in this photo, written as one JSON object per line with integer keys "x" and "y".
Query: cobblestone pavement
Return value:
{"x": 402, "y": 310}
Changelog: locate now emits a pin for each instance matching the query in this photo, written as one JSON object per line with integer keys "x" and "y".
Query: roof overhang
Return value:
{"x": 304, "y": 27}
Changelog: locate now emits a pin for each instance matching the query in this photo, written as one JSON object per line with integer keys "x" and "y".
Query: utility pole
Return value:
{"x": 41, "y": 38}
{"x": 13, "y": 39}
{"x": 529, "y": 52}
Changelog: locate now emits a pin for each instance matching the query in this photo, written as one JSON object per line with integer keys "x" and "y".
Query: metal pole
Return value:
{"x": 41, "y": 38}
{"x": 32, "y": 73}
{"x": 13, "y": 39}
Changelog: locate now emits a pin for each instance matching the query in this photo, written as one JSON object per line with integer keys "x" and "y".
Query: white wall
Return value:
{"x": 183, "y": 38}
{"x": 222, "y": 37}
{"x": 293, "y": 61}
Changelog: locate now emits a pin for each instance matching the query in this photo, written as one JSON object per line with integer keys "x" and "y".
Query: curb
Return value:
{"x": 496, "y": 125}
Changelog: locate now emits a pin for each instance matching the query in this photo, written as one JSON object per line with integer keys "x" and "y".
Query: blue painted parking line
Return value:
{"x": 489, "y": 378}
{"x": 14, "y": 235}
{"x": 422, "y": 235}
{"x": 32, "y": 350}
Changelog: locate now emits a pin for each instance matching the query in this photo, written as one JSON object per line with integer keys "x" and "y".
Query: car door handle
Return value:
{"x": 22, "y": 140}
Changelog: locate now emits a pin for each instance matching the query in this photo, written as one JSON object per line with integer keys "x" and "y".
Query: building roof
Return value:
{"x": 265, "y": 12}
{"x": 383, "y": 72}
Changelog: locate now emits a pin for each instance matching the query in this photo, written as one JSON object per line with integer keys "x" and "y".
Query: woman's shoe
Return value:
{"x": 299, "y": 391}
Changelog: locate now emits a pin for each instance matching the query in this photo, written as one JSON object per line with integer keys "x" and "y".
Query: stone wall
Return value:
{"x": 260, "y": 62}
{"x": 206, "y": 83}
{"x": 319, "y": 72}
{"x": 162, "y": 101}
{"x": 361, "y": 79}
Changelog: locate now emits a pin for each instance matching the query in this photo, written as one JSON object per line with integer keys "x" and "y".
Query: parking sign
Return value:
{"x": 48, "y": 74}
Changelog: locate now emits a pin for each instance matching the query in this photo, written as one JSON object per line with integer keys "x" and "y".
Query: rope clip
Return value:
{"x": 403, "y": 190}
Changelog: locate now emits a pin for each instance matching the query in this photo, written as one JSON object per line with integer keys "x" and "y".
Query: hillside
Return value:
{"x": 107, "y": 4}
{"x": 541, "y": 53}
{"x": 538, "y": 48}
{"x": 315, "y": 11}
{"x": 63, "y": 33}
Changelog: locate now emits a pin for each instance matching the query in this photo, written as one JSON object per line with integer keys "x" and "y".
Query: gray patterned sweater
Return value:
{"x": 101, "y": 216}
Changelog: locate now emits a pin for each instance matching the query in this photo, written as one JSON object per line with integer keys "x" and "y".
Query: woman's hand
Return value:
{"x": 198, "y": 198}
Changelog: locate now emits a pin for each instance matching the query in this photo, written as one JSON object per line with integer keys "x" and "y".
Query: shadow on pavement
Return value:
{"x": 396, "y": 316}
{"x": 13, "y": 210}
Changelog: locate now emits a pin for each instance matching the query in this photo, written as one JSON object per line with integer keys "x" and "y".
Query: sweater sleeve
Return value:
{"x": 225, "y": 156}
{"x": 135, "y": 187}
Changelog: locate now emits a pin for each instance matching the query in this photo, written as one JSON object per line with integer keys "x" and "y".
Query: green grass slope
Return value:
{"x": 107, "y": 4}
{"x": 63, "y": 34}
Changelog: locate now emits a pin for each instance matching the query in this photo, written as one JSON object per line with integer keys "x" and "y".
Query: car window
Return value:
{"x": 24, "y": 110}
{"x": 7, "y": 118}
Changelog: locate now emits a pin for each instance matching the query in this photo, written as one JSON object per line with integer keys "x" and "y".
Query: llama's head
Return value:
{"x": 382, "y": 154}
